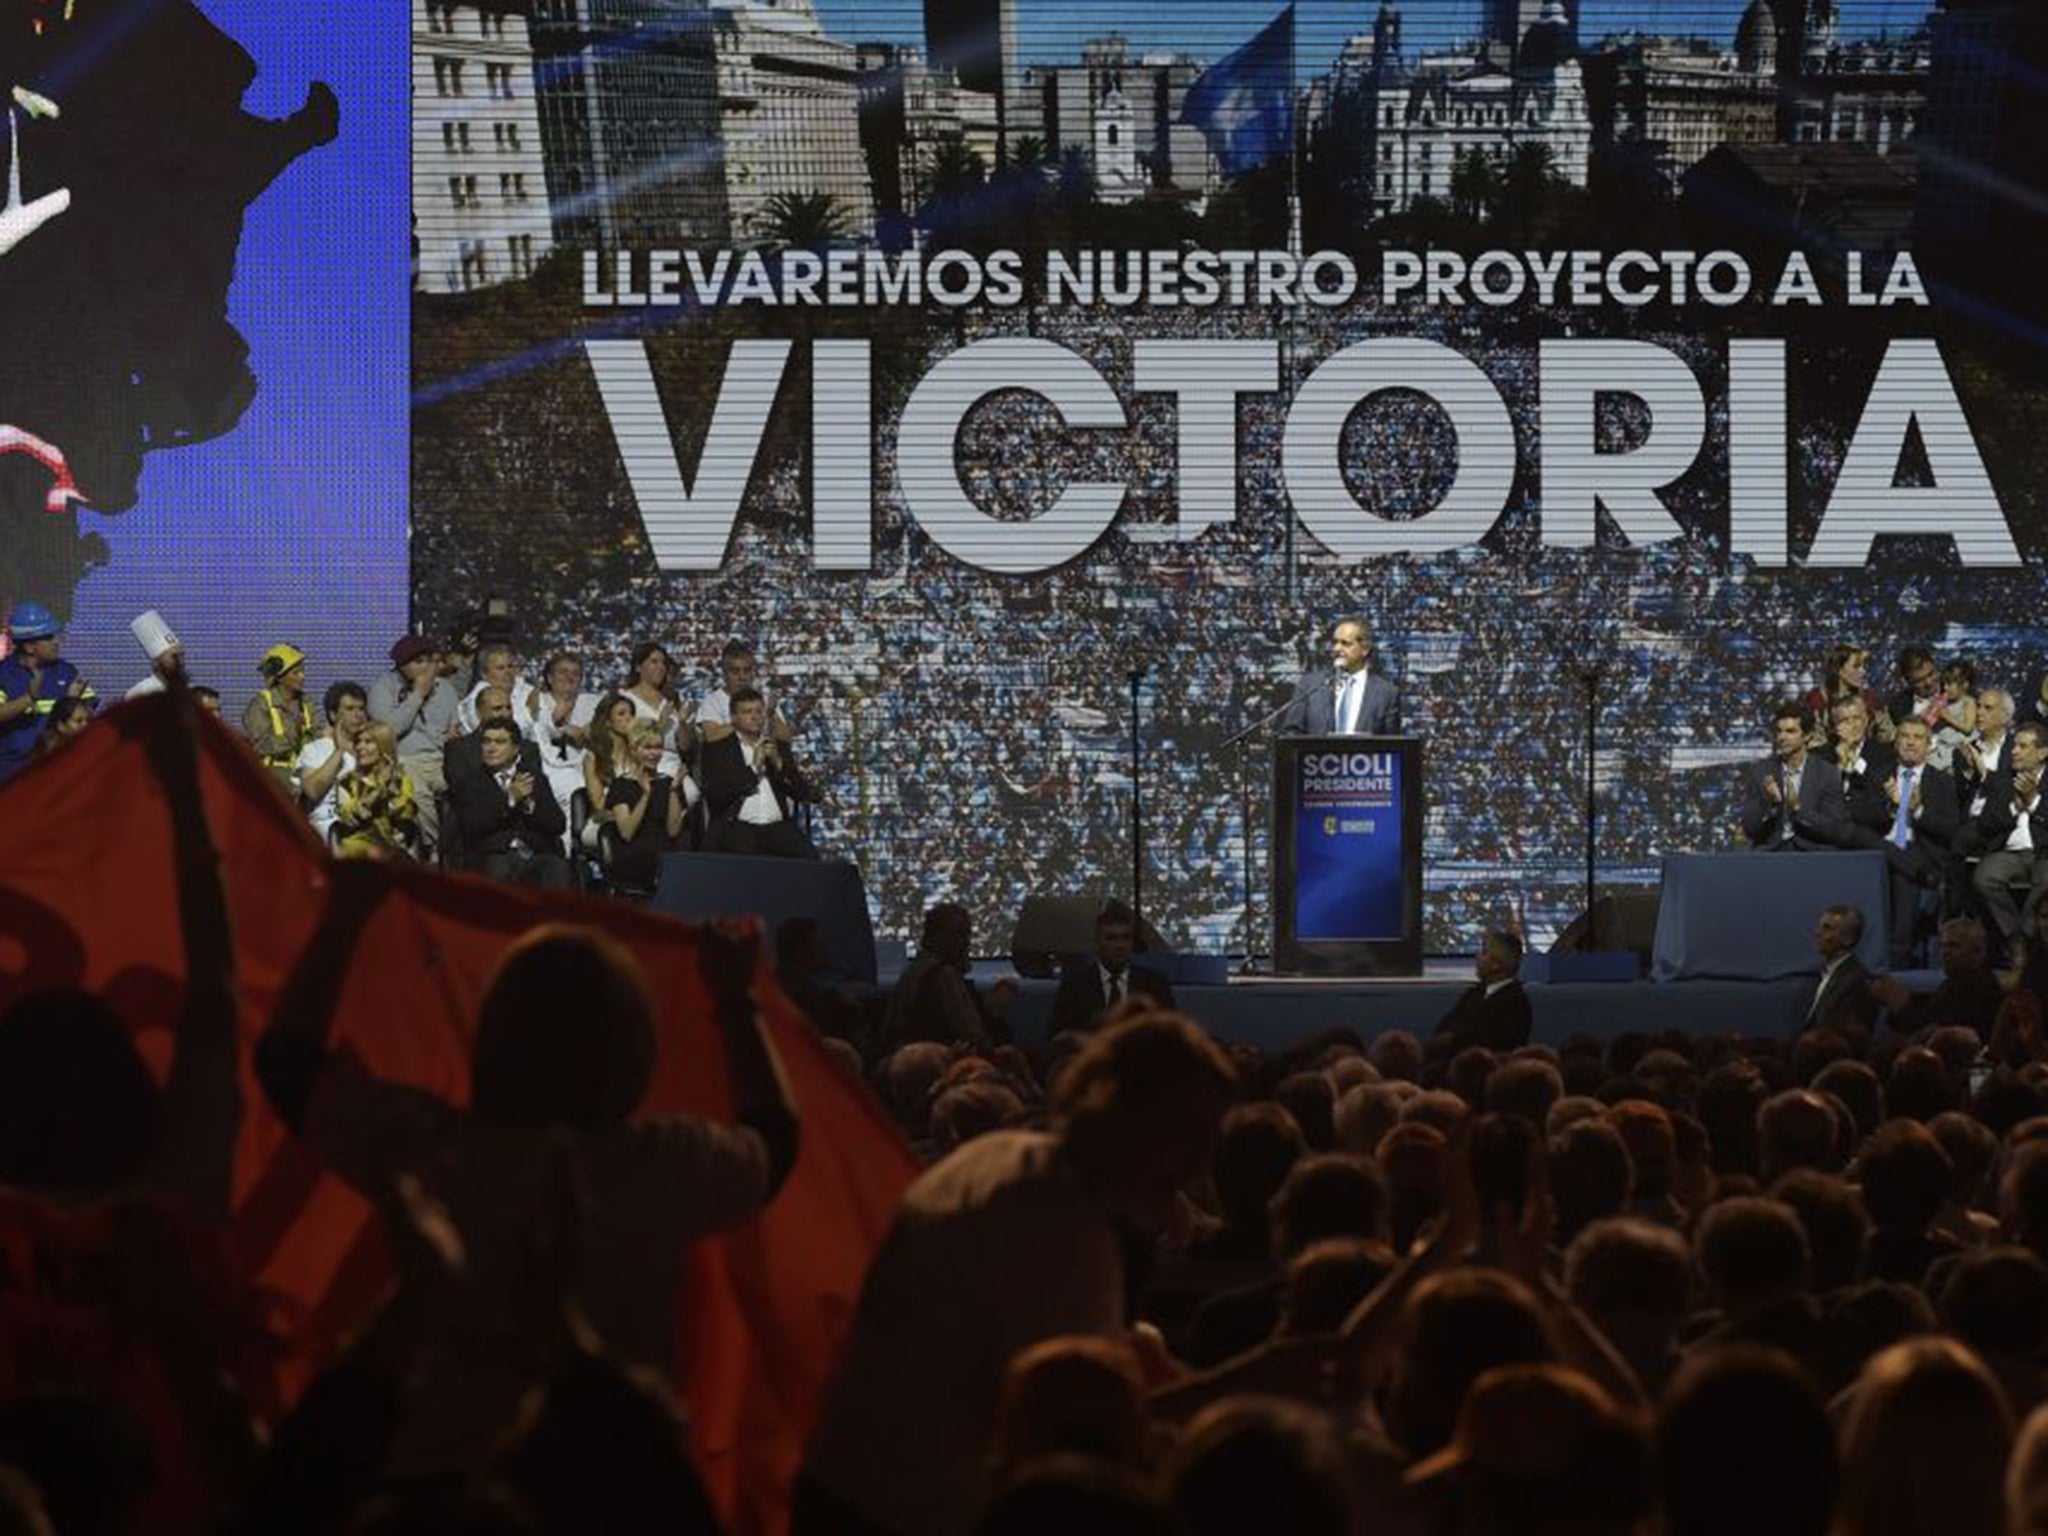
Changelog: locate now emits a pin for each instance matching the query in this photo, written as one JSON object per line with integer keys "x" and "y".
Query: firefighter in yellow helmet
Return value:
{"x": 279, "y": 720}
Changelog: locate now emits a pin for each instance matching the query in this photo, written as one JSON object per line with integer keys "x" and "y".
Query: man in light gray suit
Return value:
{"x": 1346, "y": 698}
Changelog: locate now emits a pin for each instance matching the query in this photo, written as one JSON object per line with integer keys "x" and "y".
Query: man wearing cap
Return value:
{"x": 279, "y": 720}
{"x": 166, "y": 653}
{"x": 420, "y": 706}
{"x": 32, "y": 679}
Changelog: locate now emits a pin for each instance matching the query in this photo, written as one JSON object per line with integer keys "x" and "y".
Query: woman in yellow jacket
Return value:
{"x": 376, "y": 815}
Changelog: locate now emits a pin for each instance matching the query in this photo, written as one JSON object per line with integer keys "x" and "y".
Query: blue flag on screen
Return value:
{"x": 1244, "y": 104}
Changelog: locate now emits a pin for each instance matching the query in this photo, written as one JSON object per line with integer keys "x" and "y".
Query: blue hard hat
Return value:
{"x": 32, "y": 621}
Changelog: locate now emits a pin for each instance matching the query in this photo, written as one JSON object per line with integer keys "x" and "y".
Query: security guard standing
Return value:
{"x": 279, "y": 720}
{"x": 32, "y": 679}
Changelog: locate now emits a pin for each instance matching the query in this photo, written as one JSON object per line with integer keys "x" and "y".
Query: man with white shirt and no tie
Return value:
{"x": 2013, "y": 831}
{"x": 1347, "y": 698}
{"x": 752, "y": 787}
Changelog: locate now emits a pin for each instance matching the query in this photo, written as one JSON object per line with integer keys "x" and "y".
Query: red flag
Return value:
{"x": 87, "y": 889}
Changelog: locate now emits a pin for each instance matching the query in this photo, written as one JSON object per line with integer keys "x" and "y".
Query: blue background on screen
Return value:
{"x": 292, "y": 526}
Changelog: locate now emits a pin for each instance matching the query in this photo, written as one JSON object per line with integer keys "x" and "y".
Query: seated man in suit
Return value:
{"x": 1347, "y": 698}
{"x": 1842, "y": 1002}
{"x": 2012, "y": 833}
{"x": 1494, "y": 1011}
{"x": 1865, "y": 765}
{"x": 751, "y": 787}
{"x": 464, "y": 754}
{"x": 1912, "y": 815}
{"x": 1969, "y": 996}
{"x": 1092, "y": 986}
{"x": 1793, "y": 800}
{"x": 512, "y": 826}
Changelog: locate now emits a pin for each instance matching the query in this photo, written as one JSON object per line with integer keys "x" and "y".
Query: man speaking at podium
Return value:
{"x": 1346, "y": 698}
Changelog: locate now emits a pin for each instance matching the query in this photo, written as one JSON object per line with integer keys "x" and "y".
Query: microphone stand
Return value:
{"x": 1243, "y": 740}
{"x": 1137, "y": 811}
{"x": 1590, "y": 675}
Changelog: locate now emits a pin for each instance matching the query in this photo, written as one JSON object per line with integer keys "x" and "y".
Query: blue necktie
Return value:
{"x": 1902, "y": 824}
{"x": 1345, "y": 712}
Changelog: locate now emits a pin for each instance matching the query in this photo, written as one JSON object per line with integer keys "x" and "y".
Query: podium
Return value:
{"x": 1347, "y": 855}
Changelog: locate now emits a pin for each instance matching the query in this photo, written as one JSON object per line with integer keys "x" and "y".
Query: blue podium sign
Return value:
{"x": 1348, "y": 856}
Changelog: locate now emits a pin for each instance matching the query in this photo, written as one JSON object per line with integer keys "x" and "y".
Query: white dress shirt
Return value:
{"x": 761, "y": 808}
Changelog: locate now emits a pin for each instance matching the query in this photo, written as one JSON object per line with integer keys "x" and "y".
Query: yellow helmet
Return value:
{"x": 280, "y": 659}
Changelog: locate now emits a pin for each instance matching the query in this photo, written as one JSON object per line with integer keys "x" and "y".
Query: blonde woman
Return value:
{"x": 646, "y": 811}
{"x": 377, "y": 815}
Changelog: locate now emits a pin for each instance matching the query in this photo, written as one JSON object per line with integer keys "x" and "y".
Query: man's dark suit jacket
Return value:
{"x": 1933, "y": 830}
{"x": 727, "y": 781}
{"x": 1313, "y": 709}
{"x": 488, "y": 819}
{"x": 1079, "y": 1002}
{"x": 1970, "y": 1000}
{"x": 1846, "y": 1004}
{"x": 1500, "y": 1023}
{"x": 1990, "y": 830}
{"x": 1821, "y": 819}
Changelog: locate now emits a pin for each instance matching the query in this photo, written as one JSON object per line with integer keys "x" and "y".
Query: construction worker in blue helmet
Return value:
{"x": 32, "y": 679}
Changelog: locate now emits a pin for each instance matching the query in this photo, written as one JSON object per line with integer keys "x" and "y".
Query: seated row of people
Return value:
{"x": 1983, "y": 815}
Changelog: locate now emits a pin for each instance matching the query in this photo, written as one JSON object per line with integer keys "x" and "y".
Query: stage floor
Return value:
{"x": 1275, "y": 1012}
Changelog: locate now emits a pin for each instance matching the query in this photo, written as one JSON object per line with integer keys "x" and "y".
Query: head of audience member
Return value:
{"x": 1742, "y": 1443}
{"x": 1646, "y": 1130}
{"x": 1996, "y": 1301}
{"x": 1851, "y": 718}
{"x": 80, "y": 1116}
{"x": 1364, "y": 1113}
{"x": 651, "y": 667}
{"x": 1918, "y": 1086}
{"x": 1634, "y": 1280}
{"x": 1796, "y": 1129}
{"x": 1905, "y": 1177}
{"x": 1398, "y": 1055}
{"x": 347, "y": 708}
{"x": 973, "y": 1109}
{"x": 1328, "y": 1279}
{"x": 1258, "y": 1145}
{"x": 947, "y": 935}
{"x": 2029, "y": 747}
{"x": 737, "y": 667}
{"x": 910, "y": 1075}
{"x": 610, "y": 728}
{"x": 1260, "y": 1464}
{"x": 1457, "y": 1326}
{"x": 1729, "y": 1099}
{"x": 1540, "y": 1450}
{"x": 1752, "y": 1253}
{"x": 1436, "y": 1107}
{"x": 494, "y": 703}
{"x": 1116, "y": 937}
{"x": 1913, "y": 742}
{"x": 1590, "y": 1176}
{"x": 1959, "y": 678}
{"x": 749, "y": 713}
{"x": 1348, "y": 1072}
{"x": 1994, "y": 713}
{"x": 1325, "y": 1195}
{"x": 563, "y": 675}
{"x": 283, "y": 669}
{"x": 1923, "y": 1404}
{"x": 1830, "y": 1211}
{"x": 1788, "y": 734}
{"x": 1310, "y": 1099}
{"x": 1350, "y": 644}
{"x": 1570, "y": 1110}
{"x": 1076, "y": 1496}
{"x": 1963, "y": 948}
{"x": 565, "y": 1037}
{"x": 1844, "y": 669}
{"x": 1838, "y": 932}
{"x": 1138, "y": 1110}
{"x": 1856, "y": 1084}
{"x": 498, "y": 665}
{"x": 1467, "y": 1074}
{"x": 1524, "y": 1087}
{"x": 414, "y": 658}
{"x": 1072, "y": 1395}
{"x": 1972, "y": 1151}
{"x": 644, "y": 742}
{"x": 1919, "y": 671}
{"x": 499, "y": 742}
{"x": 1502, "y": 1151}
{"x": 376, "y": 749}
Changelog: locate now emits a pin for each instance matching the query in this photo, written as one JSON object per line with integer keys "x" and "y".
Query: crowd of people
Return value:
{"x": 971, "y": 732}
{"x": 1147, "y": 1281}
